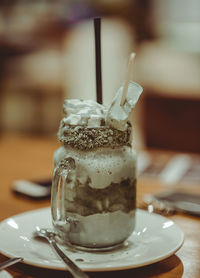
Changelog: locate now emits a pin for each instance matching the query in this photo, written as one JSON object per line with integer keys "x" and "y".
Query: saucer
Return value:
{"x": 154, "y": 239}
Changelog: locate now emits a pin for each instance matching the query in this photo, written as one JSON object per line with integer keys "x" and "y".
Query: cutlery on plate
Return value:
{"x": 154, "y": 204}
{"x": 50, "y": 236}
{"x": 10, "y": 262}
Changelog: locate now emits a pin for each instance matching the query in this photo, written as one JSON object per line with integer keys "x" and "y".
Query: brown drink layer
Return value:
{"x": 87, "y": 200}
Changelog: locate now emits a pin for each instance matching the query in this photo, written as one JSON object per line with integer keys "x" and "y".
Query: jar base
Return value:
{"x": 99, "y": 231}
{"x": 92, "y": 249}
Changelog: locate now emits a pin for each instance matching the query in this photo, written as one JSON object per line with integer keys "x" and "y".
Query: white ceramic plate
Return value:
{"x": 155, "y": 238}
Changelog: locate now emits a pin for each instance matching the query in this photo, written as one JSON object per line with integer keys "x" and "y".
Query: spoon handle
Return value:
{"x": 73, "y": 268}
{"x": 10, "y": 262}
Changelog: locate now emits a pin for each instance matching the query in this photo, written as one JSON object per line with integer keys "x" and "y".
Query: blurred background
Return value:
{"x": 47, "y": 54}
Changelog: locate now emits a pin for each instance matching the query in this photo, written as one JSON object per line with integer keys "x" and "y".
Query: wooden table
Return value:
{"x": 31, "y": 157}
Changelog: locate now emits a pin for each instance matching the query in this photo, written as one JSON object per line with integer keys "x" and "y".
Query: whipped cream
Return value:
{"x": 117, "y": 115}
{"x": 84, "y": 113}
{"x": 92, "y": 114}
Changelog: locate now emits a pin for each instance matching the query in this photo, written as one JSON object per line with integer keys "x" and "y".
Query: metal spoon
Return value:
{"x": 50, "y": 236}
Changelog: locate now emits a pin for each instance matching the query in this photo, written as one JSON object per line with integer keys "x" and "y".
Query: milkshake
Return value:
{"x": 94, "y": 184}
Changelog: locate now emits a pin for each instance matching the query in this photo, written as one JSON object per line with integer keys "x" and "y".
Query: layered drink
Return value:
{"x": 94, "y": 184}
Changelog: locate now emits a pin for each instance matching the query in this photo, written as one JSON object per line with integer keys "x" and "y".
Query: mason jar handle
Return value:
{"x": 61, "y": 174}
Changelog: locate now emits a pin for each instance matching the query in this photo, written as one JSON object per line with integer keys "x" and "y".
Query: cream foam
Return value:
{"x": 103, "y": 166}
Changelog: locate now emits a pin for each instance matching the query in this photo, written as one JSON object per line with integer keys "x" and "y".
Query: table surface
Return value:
{"x": 30, "y": 157}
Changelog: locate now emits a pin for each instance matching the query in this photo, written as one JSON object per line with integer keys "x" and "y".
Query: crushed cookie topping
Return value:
{"x": 87, "y": 138}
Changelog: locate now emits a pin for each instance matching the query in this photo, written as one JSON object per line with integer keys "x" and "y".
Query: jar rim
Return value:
{"x": 87, "y": 138}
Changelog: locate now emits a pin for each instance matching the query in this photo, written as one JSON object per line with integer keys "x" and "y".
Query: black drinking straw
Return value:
{"x": 97, "y": 29}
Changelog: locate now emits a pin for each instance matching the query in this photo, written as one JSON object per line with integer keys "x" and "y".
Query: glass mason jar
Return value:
{"x": 94, "y": 186}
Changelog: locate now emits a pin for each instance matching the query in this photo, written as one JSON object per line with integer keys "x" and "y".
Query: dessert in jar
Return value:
{"x": 94, "y": 184}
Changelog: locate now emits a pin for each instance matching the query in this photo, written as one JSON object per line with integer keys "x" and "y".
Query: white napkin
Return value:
{"x": 5, "y": 274}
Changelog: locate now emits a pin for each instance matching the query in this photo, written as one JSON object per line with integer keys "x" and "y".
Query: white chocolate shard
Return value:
{"x": 117, "y": 115}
